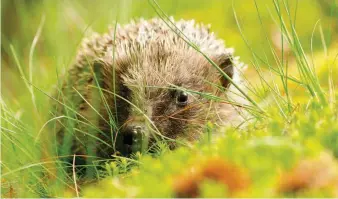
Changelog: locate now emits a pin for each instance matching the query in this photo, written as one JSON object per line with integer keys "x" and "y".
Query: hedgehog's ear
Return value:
{"x": 225, "y": 62}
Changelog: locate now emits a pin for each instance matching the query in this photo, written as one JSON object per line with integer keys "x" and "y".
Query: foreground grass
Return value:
{"x": 259, "y": 161}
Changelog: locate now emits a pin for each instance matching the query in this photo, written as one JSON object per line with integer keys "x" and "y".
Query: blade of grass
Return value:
{"x": 31, "y": 54}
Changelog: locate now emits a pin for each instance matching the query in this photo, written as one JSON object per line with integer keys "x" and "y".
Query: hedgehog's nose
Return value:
{"x": 133, "y": 140}
{"x": 130, "y": 134}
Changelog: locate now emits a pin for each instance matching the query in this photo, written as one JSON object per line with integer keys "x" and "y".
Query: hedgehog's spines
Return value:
{"x": 141, "y": 32}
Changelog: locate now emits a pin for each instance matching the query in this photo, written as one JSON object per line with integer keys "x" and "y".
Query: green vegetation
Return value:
{"x": 288, "y": 150}
{"x": 262, "y": 153}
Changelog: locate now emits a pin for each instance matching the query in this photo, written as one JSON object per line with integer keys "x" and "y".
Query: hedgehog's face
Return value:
{"x": 167, "y": 96}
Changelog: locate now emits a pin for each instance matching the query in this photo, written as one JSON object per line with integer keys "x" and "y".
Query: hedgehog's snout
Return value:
{"x": 130, "y": 134}
{"x": 134, "y": 139}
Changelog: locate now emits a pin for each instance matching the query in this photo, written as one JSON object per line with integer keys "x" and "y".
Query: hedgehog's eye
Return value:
{"x": 182, "y": 98}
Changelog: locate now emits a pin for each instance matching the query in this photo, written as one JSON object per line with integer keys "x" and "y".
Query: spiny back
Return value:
{"x": 135, "y": 37}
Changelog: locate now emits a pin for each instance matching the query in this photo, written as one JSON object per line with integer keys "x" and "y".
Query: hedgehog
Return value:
{"x": 142, "y": 82}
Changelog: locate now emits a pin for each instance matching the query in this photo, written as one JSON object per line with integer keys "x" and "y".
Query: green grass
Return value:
{"x": 262, "y": 152}
{"x": 291, "y": 89}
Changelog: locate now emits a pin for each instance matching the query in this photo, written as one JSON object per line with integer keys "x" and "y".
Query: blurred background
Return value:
{"x": 64, "y": 23}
